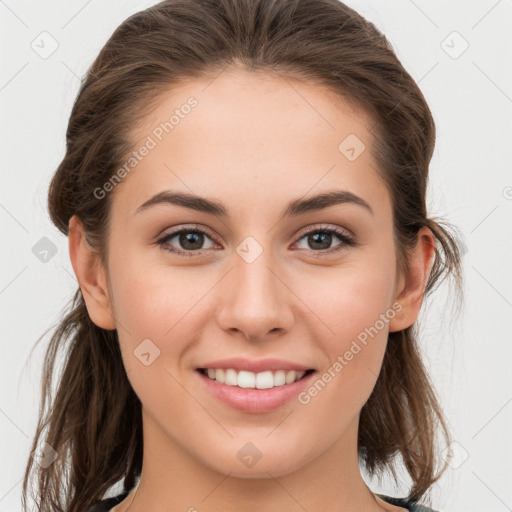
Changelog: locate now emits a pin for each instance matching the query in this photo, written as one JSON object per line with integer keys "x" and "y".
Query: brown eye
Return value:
{"x": 188, "y": 241}
{"x": 321, "y": 239}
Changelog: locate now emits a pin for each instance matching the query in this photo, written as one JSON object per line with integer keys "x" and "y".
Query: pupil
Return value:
{"x": 187, "y": 240}
{"x": 319, "y": 238}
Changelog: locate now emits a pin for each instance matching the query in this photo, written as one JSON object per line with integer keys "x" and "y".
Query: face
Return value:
{"x": 314, "y": 286}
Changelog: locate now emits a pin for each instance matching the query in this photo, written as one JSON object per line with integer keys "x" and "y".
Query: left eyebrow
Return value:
{"x": 293, "y": 209}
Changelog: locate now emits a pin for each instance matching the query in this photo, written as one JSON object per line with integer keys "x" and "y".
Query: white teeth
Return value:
{"x": 262, "y": 380}
{"x": 245, "y": 380}
{"x": 230, "y": 377}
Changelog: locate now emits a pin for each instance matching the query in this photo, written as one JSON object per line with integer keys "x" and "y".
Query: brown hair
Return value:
{"x": 322, "y": 41}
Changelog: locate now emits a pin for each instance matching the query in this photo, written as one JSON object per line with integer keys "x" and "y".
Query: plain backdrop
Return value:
{"x": 458, "y": 51}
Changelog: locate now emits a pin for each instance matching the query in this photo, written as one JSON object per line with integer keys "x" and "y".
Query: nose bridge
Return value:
{"x": 256, "y": 285}
{"x": 255, "y": 300}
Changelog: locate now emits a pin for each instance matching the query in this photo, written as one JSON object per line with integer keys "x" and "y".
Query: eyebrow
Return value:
{"x": 294, "y": 208}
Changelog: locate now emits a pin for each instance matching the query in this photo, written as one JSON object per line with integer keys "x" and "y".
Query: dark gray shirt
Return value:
{"x": 412, "y": 506}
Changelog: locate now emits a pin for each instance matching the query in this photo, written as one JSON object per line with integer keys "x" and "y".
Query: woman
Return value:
{"x": 244, "y": 192}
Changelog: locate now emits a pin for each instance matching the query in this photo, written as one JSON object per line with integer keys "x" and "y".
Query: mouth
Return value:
{"x": 251, "y": 380}
{"x": 254, "y": 393}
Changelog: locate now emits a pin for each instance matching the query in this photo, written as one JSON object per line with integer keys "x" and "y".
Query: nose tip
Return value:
{"x": 254, "y": 301}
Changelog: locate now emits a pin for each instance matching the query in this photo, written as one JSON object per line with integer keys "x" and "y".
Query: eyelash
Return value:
{"x": 347, "y": 241}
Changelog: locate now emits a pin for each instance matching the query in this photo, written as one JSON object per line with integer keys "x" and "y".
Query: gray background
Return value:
{"x": 470, "y": 93}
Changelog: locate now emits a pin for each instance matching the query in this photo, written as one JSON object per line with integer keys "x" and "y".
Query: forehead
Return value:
{"x": 249, "y": 133}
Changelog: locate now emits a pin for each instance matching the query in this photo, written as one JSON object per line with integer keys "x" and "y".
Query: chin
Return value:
{"x": 275, "y": 465}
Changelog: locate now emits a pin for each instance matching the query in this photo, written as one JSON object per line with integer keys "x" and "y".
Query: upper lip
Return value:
{"x": 254, "y": 365}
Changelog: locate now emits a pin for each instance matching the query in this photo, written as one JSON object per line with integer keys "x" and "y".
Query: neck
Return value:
{"x": 173, "y": 479}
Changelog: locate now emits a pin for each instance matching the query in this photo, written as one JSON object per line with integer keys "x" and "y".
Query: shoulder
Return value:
{"x": 408, "y": 504}
{"x": 108, "y": 503}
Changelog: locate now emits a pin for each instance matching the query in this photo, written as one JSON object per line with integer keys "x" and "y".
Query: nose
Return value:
{"x": 254, "y": 299}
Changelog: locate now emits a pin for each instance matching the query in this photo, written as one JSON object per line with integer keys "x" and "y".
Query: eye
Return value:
{"x": 321, "y": 238}
{"x": 191, "y": 240}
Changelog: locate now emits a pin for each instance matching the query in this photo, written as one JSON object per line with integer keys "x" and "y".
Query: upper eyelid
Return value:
{"x": 308, "y": 229}
{"x": 177, "y": 231}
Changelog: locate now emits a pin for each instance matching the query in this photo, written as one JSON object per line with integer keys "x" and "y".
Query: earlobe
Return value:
{"x": 412, "y": 290}
{"x": 90, "y": 275}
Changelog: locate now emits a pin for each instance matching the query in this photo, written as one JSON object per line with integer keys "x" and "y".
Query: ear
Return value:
{"x": 91, "y": 276}
{"x": 411, "y": 287}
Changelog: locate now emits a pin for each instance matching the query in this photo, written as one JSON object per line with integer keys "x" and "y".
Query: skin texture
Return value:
{"x": 253, "y": 142}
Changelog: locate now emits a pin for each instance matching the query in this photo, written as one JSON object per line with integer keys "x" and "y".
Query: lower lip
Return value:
{"x": 255, "y": 400}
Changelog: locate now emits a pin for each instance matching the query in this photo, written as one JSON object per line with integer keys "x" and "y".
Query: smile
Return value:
{"x": 245, "y": 379}
{"x": 253, "y": 399}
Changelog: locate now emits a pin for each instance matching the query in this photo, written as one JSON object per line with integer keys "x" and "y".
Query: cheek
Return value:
{"x": 152, "y": 300}
{"x": 353, "y": 300}
{"x": 157, "y": 309}
{"x": 355, "y": 311}
{"x": 164, "y": 305}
